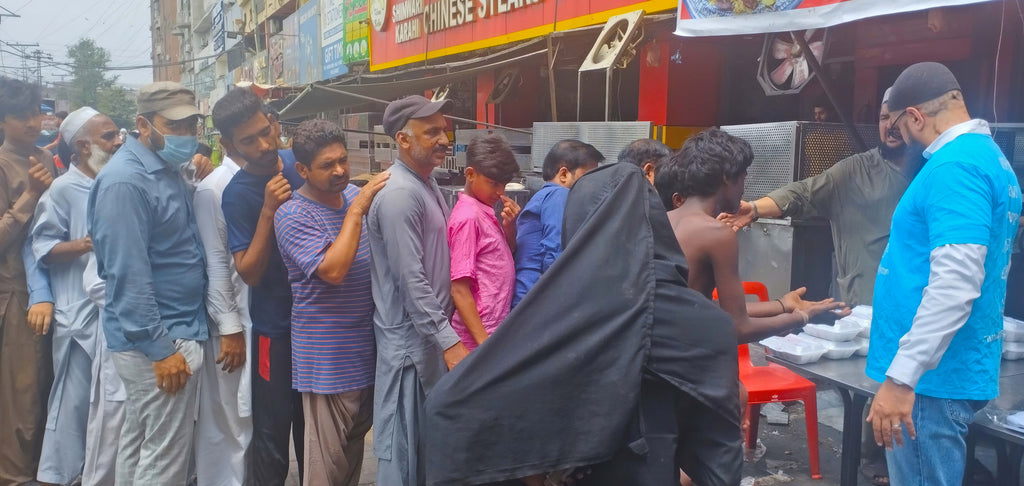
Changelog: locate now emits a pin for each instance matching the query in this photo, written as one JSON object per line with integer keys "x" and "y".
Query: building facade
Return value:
{"x": 166, "y": 45}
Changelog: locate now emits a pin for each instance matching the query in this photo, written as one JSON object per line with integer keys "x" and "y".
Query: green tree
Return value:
{"x": 88, "y": 75}
{"x": 119, "y": 104}
{"x": 91, "y": 86}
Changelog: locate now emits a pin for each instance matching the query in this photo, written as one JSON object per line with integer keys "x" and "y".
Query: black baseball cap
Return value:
{"x": 399, "y": 112}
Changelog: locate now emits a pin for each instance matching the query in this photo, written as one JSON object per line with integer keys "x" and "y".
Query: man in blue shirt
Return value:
{"x": 936, "y": 336}
{"x": 148, "y": 250}
{"x": 539, "y": 228}
{"x": 249, "y": 202}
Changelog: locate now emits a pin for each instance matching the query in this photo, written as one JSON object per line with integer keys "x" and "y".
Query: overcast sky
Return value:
{"x": 120, "y": 26}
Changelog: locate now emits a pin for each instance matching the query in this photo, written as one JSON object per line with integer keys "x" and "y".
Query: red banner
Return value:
{"x": 415, "y": 30}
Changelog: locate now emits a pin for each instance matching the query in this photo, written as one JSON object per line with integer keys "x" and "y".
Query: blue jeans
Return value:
{"x": 938, "y": 455}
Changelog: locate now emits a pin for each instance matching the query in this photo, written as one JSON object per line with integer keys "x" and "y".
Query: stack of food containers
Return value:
{"x": 848, "y": 336}
{"x": 1013, "y": 338}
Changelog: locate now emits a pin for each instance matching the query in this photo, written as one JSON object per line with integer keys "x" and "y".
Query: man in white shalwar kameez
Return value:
{"x": 224, "y": 425}
{"x": 60, "y": 241}
{"x": 106, "y": 409}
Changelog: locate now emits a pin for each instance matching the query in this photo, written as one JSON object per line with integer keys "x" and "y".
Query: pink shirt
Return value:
{"x": 480, "y": 252}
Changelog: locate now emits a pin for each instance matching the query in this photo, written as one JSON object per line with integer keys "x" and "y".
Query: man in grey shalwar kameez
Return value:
{"x": 407, "y": 225}
{"x": 60, "y": 241}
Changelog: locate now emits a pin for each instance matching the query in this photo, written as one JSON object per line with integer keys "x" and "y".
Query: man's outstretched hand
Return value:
{"x": 741, "y": 218}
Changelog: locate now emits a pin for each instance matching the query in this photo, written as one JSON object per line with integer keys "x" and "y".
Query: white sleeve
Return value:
{"x": 954, "y": 282}
{"x": 220, "y": 293}
{"x": 95, "y": 286}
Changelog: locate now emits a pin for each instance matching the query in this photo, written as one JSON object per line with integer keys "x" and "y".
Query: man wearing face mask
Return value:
{"x": 148, "y": 251}
{"x": 60, "y": 242}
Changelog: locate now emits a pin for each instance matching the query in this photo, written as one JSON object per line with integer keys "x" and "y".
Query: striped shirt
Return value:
{"x": 333, "y": 348}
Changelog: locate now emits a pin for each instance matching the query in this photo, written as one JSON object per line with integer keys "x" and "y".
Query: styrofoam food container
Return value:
{"x": 863, "y": 342}
{"x": 842, "y": 330}
{"x": 862, "y": 311}
{"x": 833, "y": 349}
{"x": 1013, "y": 351}
{"x": 793, "y": 349}
{"x": 865, "y": 324}
{"x": 1013, "y": 330}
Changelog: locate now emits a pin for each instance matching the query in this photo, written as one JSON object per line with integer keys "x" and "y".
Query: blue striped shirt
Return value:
{"x": 333, "y": 348}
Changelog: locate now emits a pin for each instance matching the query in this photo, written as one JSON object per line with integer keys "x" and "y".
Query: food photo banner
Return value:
{"x": 703, "y": 18}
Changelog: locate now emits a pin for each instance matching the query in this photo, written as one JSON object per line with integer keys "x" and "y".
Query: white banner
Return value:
{"x": 702, "y": 18}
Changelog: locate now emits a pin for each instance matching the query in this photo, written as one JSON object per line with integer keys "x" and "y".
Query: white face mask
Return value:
{"x": 97, "y": 158}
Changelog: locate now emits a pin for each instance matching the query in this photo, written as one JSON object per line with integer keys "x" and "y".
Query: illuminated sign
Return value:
{"x": 418, "y": 30}
{"x": 446, "y": 14}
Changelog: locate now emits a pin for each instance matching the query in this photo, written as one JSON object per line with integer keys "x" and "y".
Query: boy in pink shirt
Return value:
{"x": 483, "y": 272}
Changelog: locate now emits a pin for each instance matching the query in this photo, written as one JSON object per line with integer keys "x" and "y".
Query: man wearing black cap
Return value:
{"x": 148, "y": 251}
{"x": 941, "y": 285}
{"x": 407, "y": 226}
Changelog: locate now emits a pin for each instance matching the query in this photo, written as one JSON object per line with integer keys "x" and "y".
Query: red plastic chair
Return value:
{"x": 776, "y": 383}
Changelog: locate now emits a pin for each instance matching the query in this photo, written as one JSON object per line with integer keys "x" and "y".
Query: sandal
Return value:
{"x": 877, "y": 471}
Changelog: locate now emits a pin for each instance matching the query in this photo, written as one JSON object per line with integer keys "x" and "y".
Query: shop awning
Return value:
{"x": 318, "y": 98}
{"x": 700, "y": 18}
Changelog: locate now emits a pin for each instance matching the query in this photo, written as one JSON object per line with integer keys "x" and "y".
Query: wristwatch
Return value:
{"x": 753, "y": 205}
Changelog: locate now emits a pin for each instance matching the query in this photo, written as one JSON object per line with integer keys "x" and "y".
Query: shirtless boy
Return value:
{"x": 700, "y": 181}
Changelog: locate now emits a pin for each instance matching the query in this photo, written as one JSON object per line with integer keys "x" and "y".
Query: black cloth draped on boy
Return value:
{"x": 609, "y": 361}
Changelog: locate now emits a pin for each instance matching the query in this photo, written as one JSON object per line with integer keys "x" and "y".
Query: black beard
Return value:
{"x": 914, "y": 158}
{"x": 892, "y": 153}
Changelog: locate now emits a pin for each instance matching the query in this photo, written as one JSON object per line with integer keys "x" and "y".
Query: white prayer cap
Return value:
{"x": 885, "y": 97}
{"x": 72, "y": 126}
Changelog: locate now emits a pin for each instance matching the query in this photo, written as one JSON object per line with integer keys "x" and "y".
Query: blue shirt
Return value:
{"x": 147, "y": 247}
{"x": 270, "y": 302}
{"x": 37, "y": 277}
{"x": 538, "y": 236}
{"x": 966, "y": 193}
{"x": 333, "y": 348}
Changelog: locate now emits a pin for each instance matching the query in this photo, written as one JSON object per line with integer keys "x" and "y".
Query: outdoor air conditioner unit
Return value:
{"x": 783, "y": 67}
{"x": 506, "y": 85}
{"x": 442, "y": 93}
{"x": 275, "y": 26}
{"x": 607, "y": 137}
{"x": 615, "y": 48}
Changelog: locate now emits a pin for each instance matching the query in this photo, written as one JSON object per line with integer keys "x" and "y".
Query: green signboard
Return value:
{"x": 357, "y": 32}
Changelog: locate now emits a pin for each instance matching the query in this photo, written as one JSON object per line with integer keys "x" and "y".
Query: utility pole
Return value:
{"x": 39, "y": 66}
{"x": 25, "y": 55}
{"x": 7, "y": 13}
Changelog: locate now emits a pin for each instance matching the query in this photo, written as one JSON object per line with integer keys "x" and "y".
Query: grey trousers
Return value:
{"x": 336, "y": 427}
{"x": 156, "y": 438}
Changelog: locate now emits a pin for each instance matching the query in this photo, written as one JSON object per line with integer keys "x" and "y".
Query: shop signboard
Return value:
{"x": 309, "y": 43}
{"x": 217, "y": 31}
{"x": 332, "y": 37}
{"x": 408, "y": 31}
{"x": 276, "y": 47}
{"x": 699, "y": 18}
{"x": 357, "y": 31}
{"x": 290, "y": 32}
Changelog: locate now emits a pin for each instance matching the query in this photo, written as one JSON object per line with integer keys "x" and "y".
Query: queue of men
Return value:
{"x": 162, "y": 325}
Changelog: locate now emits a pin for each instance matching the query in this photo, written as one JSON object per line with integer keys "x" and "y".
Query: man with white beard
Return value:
{"x": 60, "y": 242}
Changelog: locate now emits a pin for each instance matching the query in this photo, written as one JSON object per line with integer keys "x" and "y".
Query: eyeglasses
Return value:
{"x": 895, "y": 122}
